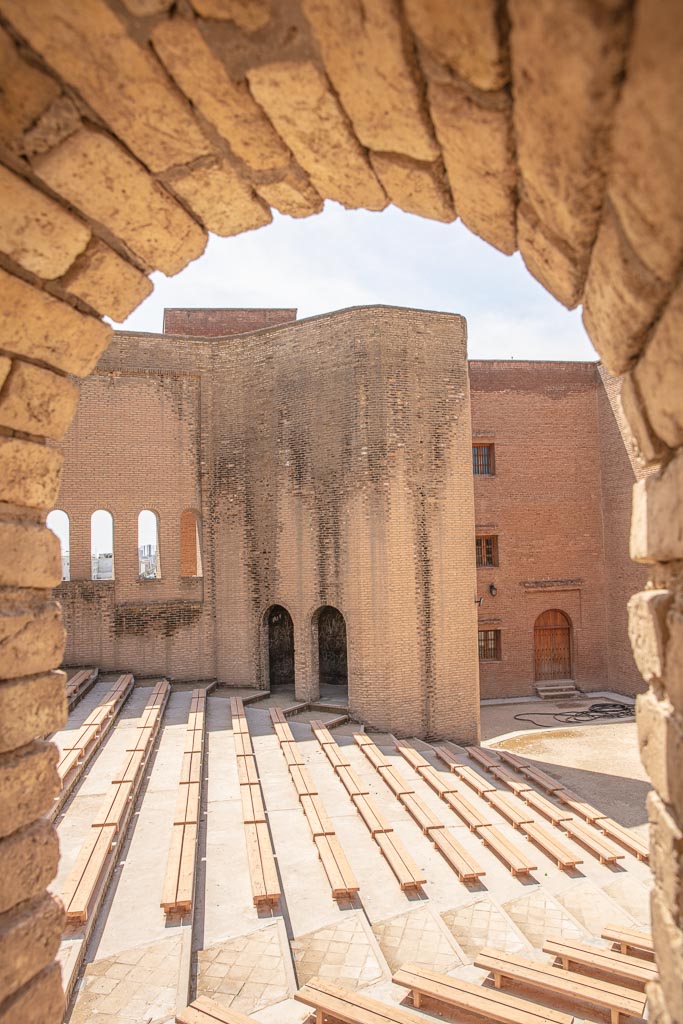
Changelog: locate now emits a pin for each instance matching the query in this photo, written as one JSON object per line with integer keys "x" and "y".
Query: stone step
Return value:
{"x": 555, "y": 691}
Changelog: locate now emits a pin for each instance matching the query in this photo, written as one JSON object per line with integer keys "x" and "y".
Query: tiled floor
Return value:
{"x": 247, "y": 973}
{"x": 416, "y": 937}
{"x": 480, "y": 924}
{"x": 539, "y": 916}
{"x": 341, "y": 952}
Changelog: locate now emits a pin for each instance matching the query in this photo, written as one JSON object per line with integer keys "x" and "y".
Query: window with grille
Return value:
{"x": 483, "y": 462}
{"x": 487, "y": 550}
{"x": 489, "y": 645}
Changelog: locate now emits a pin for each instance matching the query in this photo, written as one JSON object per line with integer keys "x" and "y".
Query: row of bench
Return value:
{"x": 80, "y": 747}
{"x": 265, "y": 885}
{"x": 178, "y": 890}
{"x": 86, "y": 883}
{"x": 343, "y": 882}
{"x": 79, "y": 684}
{"x": 399, "y": 860}
{"x": 455, "y": 855}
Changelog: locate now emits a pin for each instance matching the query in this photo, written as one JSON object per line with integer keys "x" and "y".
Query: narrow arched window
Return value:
{"x": 58, "y": 522}
{"x": 190, "y": 544}
{"x": 149, "y": 558}
{"x": 102, "y": 545}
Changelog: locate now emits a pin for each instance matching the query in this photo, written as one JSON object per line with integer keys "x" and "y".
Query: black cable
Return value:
{"x": 609, "y": 709}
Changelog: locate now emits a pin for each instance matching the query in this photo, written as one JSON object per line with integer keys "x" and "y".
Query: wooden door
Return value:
{"x": 552, "y": 646}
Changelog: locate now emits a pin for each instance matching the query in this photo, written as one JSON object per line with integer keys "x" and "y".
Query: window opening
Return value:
{"x": 102, "y": 545}
{"x": 58, "y": 522}
{"x": 483, "y": 461}
{"x": 489, "y": 645}
{"x": 487, "y": 550}
{"x": 149, "y": 563}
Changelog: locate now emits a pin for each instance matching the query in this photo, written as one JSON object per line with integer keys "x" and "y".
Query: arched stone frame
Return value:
{"x": 572, "y": 641}
{"x": 109, "y": 512}
{"x": 157, "y": 518}
{"x": 314, "y": 648}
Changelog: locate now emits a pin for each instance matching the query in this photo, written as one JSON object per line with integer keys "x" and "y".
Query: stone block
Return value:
{"x": 415, "y": 187}
{"x": 29, "y": 940}
{"x": 649, "y": 447}
{"x": 305, "y": 111}
{"x": 660, "y": 734}
{"x": 666, "y": 853}
{"x": 659, "y": 373}
{"x": 370, "y": 67}
{"x": 548, "y": 259}
{"x": 647, "y": 145}
{"x": 220, "y": 198}
{"x": 621, "y": 297}
{"x": 250, "y": 15}
{"x": 28, "y": 863}
{"x": 31, "y": 556}
{"x": 229, "y": 106}
{"x": 36, "y": 325}
{"x": 657, "y": 1012}
{"x": 31, "y": 706}
{"x": 90, "y": 47}
{"x": 40, "y": 1001}
{"x": 29, "y": 782}
{"x": 35, "y": 231}
{"x": 567, "y": 65}
{"x": 291, "y": 194}
{"x": 673, "y": 680}
{"x": 25, "y": 91}
{"x": 647, "y": 631}
{"x": 478, "y": 150}
{"x": 465, "y": 37}
{"x": 37, "y": 401}
{"x": 146, "y": 8}
{"x": 107, "y": 282}
{"x": 99, "y": 177}
{"x": 32, "y": 637}
{"x": 29, "y": 473}
{"x": 60, "y": 120}
{"x": 5, "y": 367}
{"x": 656, "y": 523}
{"x": 668, "y": 940}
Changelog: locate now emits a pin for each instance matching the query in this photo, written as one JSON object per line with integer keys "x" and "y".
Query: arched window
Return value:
{"x": 102, "y": 545}
{"x": 190, "y": 544}
{"x": 552, "y": 646}
{"x": 58, "y": 522}
{"x": 148, "y": 545}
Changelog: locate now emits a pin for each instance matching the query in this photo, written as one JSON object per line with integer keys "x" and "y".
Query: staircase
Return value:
{"x": 559, "y": 689}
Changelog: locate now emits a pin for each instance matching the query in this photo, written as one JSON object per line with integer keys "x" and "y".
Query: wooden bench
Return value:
{"x": 551, "y": 811}
{"x": 624, "y": 837}
{"x": 474, "y": 780}
{"x": 492, "y": 837}
{"x": 80, "y": 684}
{"x": 334, "y": 1003}
{"x": 603, "y": 960}
{"x": 465, "y": 867}
{"x": 483, "y": 757}
{"x": 576, "y": 987}
{"x": 557, "y": 851}
{"x": 207, "y": 1011}
{"x": 449, "y": 758}
{"x": 504, "y": 804}
{"x": 575, "y": 803}
{"x": 601, "y": 847}
{"x": 436, "y": 780}
{"x": 629, "y": 938}
{"x": 484, "y": 1002}
{"x": 511, "y": 781}
{"x": 541, "y": 778}
{"x": 514, "y": 760}
{"x": 343, "y": 882}
{"x": 466, "y": 811}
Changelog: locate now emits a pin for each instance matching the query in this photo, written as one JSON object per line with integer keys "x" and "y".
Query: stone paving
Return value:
{"x": 247, "y": 973}
{"x": 342, "y": 952}
{"x": 480, "y": 924}
{"x": 539, "y": 916}
{"x": 417, "y": 937}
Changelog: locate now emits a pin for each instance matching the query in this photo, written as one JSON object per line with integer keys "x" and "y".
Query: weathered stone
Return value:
{"x": 369, "y": 65}
{"x": 647, "y": 631}
{"x": 567, "y": 65}
{"x": 146, "y": 8}
{"x": 656, "y": 523}
{"x": 666, "y": 852}
{"x": 58, "y": 122}
{"x": 292, "y": 194}
{"x": 673, "y": 679}
{"x": 668, "y": 937}
{"x": 647, "y": 144}
{"x": 621, "y": 298}
{"x": 40, "y": 1001}
{"x": 97, "y": 175}
{"x": 649, "y": 447}
{"x": 661, "y": 747}
{"x": 37, "y": 401}
{"x": 31, "y": 638}
{"x": 31, "y": 706}
{"x": 29, "y": 940}
{"x": 223, "y": 201}
{"x": 251, "y": 15}
{"x": 36, "y": 325}
{"x": 29, "y": 782}
{"x": 298, "y": 99}
{"x": 466, "y": 37}
{"x": 659, "y": 373}
{"x": 28, "y": 863}
{"x": 478, "y": 150}
{"x": 228, "y": 105}
{"x": 121, "y": 81}
{"x": 415, "y": 187}
{"x": 549, "y": 259}
{"x": 29, "y": 473}
{"x": 5, "y": 367}
{"x": 25, "y": 91}
{"x": 107, "y": 282}
{"x": 657, "y": 1012}
{"x": 35, "y": 231}
{"x": 31, "y": 556}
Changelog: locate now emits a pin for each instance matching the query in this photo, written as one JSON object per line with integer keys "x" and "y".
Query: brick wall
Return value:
{"x": 217, "y": 323}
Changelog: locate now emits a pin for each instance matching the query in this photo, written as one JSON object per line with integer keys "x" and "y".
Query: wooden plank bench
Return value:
{"x": 517, "y": 862}
{"x": 178, "y": 890}
{"x": 334, "y": 1003}
{"x": 438, "y": 781}
{"x": 399, "y": 860}
{"x": 598, "y": 844}
{"x": 372, "y": 817}
{"x": 412, "y": 756}
{"x": 449, "y": 758}
{"x": 80, "y": 684}
{"x": 395, "y": 781}
{"x": 556, "y": 850}
{"x": 474, "y": 780}
{"x": 342, "y": 880}
{"x": 579, "y": 806}
{"x": 465, "y": 867}
{"x": 483, "y": 757}
{"x": 490, "y": 1004}
{"x": 265, "y": 885}
{"x": 467, "y": 813}
{"x": 316, "y": 816}
{"x": 551, "y": 811}
{"x": 580, "y": 987}
{"x": 421, "y": 812}
{"x": 606, "y": 961}
{"x": 504, "y": 804}
{"x": 514, "y": 760}
{"x": 624, "y": 837}
{"x": 207, "y": 1011}
{"x": 253, "y": 810}
{"x": 629, "y": 938}
{"x": 541, "y": 778}
{"x": 303, "y": 783}
{"x": 511, "y": 781}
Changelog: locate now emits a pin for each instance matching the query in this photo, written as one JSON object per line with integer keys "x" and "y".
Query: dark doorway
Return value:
{"x": 280, "y": 647}
{"x": 332, "y": 647}
{"x": 552, "y": 646}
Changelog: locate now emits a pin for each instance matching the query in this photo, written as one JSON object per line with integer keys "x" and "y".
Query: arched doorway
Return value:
{"x": 332, "y": 657}
{"x": 280, "y": 647}
{"x": 552, "y": 646}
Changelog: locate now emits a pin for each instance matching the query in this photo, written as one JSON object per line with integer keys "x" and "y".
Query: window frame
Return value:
{"x": 483, "y": 538}
{"x": 478, "y": 461}
{"x": 482, "y": 644}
